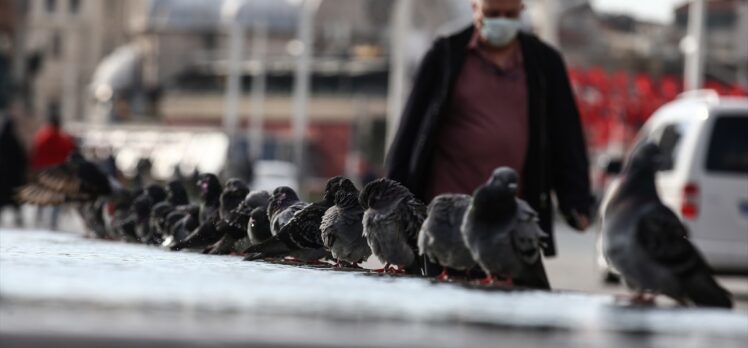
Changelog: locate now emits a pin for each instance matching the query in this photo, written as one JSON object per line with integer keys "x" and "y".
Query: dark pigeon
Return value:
{"x": 210, "y": 195}
{"x": 213, "y": 228}
{"x": 79, "y": 182}
{"x": 234, "y": 226}
{"x": 301, "y": 236}
{"x": 440, "y": 238}
{"x": 502, "y": 233}
{"x": 647, "y": 243}
{"x": 258, "y": 229}
{"x": 392, "y": 218}
{"x": 176, "y": 194}
{"x": 181, "y": 223}
{"x": 342, "y": 229}
{"x": 284, "y": 203}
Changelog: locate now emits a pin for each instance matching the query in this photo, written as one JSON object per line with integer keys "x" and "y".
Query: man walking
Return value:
{"x": 493, "y": 96}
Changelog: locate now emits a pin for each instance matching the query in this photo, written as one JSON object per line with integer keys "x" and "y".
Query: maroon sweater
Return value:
{"x": 485, "y": 126}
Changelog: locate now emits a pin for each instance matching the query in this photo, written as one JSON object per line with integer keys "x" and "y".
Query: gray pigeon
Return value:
{"x": 440, "y": 238}
{"x": 284, "y": 203}
{"x": 342, "y": 230}
{"x": 502, "y": 233}
{"x": 392, "y": 218}
{"x": 301, "y": 236}
{"x": 647, "y": 243}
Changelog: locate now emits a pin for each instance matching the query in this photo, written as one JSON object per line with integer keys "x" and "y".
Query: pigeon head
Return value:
{"x": 235, "y": 184}
{"x": 210, "y": 187}
{"x": 232, "y": 195}
{"x": 497, "y": 196}
{"x": 155, "y": 192}
{"x": 505, "y": 178}
{"x": 176, "y": 194}
{"x": 336, "y": 184}
{"x": 257, "y": 199}
{"x": 282, "y": 198}
{"x": 645, "y": 158}
{"x": 382, "y": 193}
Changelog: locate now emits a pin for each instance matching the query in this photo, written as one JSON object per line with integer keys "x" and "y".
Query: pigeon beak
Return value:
{"x": 512, "y": 187}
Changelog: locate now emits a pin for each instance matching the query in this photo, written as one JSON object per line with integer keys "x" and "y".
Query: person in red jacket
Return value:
{"x": 51, "y": 146}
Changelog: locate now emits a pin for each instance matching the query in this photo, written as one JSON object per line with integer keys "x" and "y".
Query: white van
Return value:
{"x": 704, "y": 138}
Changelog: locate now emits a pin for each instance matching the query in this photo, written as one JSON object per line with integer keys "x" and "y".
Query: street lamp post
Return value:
{"x": 396, "y": 91}
{"x": 301, "y": 81}
{"x": 230, "y": 16}
{"x": 257, "y": 98}
{"x": 693, "y": 46}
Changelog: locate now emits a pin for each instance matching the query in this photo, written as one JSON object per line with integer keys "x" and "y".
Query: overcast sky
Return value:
{"x": 660, "y": 11}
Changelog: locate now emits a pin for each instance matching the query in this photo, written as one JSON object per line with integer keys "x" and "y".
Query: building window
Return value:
{"x": 51, "y": 6}
{"x": 74, "y": 6}
{"x": 56, "y": 46}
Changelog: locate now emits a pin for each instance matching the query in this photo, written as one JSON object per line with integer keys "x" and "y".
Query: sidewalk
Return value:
{"x": 60, "y": 286}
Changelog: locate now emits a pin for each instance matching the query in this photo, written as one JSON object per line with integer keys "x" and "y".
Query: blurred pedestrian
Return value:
{"x": 51, "y": 147}
{"x": 492, "y": 96}
{"x": 14, "y": 164}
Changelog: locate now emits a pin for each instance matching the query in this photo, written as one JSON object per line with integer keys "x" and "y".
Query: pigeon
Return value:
{"x": 117, "y": 210}
{"x": 176, "y": 194}
{"x": 180, "y": 223}
{"x": 342, "y": 230}
{"x": 141, "y": 210}
{"x": 233, "y": 194}
{"x": 648, "y": 245}
{"x": 210, "y": 194}
{"x": 283, "y": 204}
{"x": 392, "y": 218}
{"x": 301, "y": 237}
{"x": 258, "y": 229}
{"x": 440, "y": 238}
{"x": 212, "y": 228}
{"x": 92, "y": 213}
{"x": 76, "y": 181}
{"x": 502, "y": 233}
{"x": 234, "y": 226}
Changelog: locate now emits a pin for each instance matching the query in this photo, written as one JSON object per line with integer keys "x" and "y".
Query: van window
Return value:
{"x": 728, "y": 146}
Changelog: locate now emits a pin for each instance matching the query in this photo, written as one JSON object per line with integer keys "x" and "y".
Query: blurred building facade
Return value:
{"x": 165, "y": 61}
{"x": 726, "y": 39}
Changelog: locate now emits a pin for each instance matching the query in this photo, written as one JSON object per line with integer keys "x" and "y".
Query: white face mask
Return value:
{"x": 499, "y": 31}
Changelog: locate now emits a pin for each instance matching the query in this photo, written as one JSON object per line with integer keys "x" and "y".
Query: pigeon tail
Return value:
{"x": 704, "y": 291}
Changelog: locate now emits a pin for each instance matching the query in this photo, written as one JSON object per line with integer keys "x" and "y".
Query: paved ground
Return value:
{"x": 59, "y": 289}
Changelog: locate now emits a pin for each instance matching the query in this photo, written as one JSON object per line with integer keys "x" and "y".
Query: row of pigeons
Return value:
{"x": 492, "y": 230}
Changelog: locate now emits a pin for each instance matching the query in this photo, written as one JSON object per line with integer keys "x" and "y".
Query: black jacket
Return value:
{"x": 556, "y": 154}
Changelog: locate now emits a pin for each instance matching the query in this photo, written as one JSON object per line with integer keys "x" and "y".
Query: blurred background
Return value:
{"x": 294, "y": 92}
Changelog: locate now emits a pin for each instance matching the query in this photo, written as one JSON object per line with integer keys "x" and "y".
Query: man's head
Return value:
{"x": 54, "y": 120}
{"x": 497, "y": 20}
